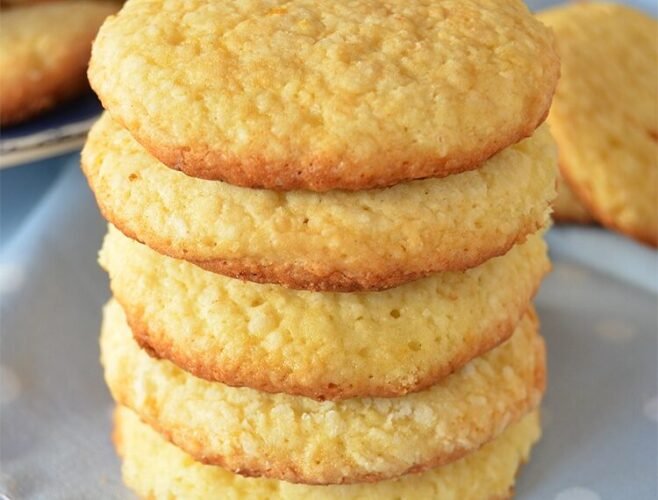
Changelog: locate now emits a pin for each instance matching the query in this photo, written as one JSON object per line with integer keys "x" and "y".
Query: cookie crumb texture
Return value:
{"x": 155, "y": 468}
{"x": 321, "y": 94}
{"x": 340, "y": 241}
{"x": 44, "y": 50}
{"x": 605, "y": 113}
{"x": 306, "y": 441}
{"x": 319, "y": 344}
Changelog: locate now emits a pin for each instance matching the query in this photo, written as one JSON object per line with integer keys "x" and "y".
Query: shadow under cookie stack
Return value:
{"x": 326, "y": 229}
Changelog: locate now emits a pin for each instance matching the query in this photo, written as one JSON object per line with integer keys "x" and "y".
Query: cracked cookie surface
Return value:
{"x": 320, "y": 95}
{"x": 155, "y": 468}
{"x": 340, "y": 241}
{"x": 301, "y": 440}
{"x": 320, "y": 344}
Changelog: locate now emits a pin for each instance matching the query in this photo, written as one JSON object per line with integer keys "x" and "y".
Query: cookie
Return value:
{"x": 44, "y": 50}
{"x": 605, "y": 113}
{"x": 567, "y": 207}
{"x": 156, "y": 469}
{"x": 323, "y": 95}
{"x": 339, "y": 241}
{"x": 302, "y": 440}
{"x": 320, "y": 345}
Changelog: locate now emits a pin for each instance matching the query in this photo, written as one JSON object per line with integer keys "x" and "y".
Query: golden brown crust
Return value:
{"x": 296, "y": 276}
{"x": 290, "y": 114}
{"x": 159, "y": 405}
{"x": 323, "y": 242}
{"x": 319, "y": 345}
{"x": 147, "y": 455}
{"x": 325, "y": 173}
{"x": 236, "y": 375}
{"x": 292, "y": 276}
{"x": 286, "y": 469}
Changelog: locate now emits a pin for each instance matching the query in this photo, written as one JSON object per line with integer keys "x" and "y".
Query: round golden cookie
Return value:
{"x": 302, "y": 440}
{"x": 341, "y": 241}
{"x": 605, "y": 113}
{"x": 320, "y": 345}
{"x": 321, "y": 94}
{"x": 156, "y": 469}
{"x": 44, "y": 50}
{"x": 567, "y": 207}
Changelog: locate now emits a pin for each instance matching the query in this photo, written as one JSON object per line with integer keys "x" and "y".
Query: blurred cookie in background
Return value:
{"x": 567, "y": 207}
{"x": 605, "y": 114}
{"x": 44, "y": 51}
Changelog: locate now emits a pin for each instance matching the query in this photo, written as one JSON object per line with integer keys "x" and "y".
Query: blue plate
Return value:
{"x": 61, "y": 130}
{"x": 649, "y": 6}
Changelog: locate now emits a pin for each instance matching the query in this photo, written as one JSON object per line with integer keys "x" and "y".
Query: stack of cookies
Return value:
{"x": 326, "y": 231}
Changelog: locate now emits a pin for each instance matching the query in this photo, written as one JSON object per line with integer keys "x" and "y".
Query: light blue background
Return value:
{"x": 600, "y": 433}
